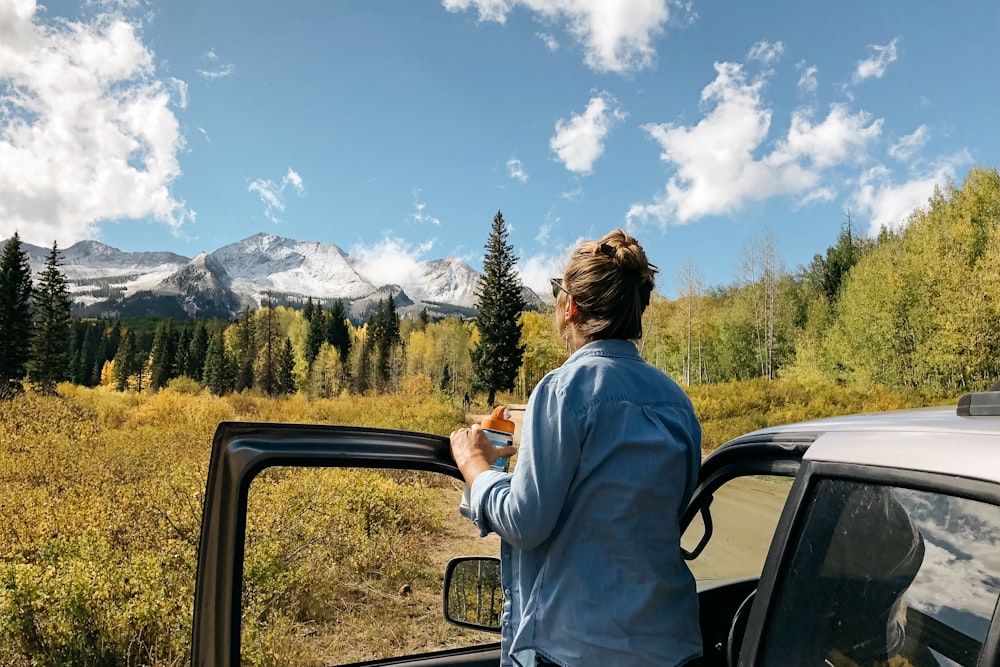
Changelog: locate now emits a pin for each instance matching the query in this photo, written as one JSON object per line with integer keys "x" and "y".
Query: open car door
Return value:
{"x": 728, "y": 528}
{"x": 243, "y": 451}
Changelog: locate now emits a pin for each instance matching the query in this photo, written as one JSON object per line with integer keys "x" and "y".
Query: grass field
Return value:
{"x": 101, "y": 497}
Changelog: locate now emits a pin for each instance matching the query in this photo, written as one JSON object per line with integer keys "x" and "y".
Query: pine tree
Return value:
{"x": 314, "y": 315}
{"x": 15, "y": 316}
{"x": 197, "y": 351}
{"x": 245, "y": 349}
{"x": 286, "y": 364}
{"x": 52, "y": 331}
{"x": 125, "y": 361}
{"x": 497, "y": 358}
{"x": 163, "y": 355}
{"x": 217, "y": 374}
{"x": 338, "y": 333}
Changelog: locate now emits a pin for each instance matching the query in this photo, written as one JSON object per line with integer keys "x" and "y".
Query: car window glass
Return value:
{"x": 886, "y": 576}
{"x": 744, "y": 513}
{"x": 346, "y": 565}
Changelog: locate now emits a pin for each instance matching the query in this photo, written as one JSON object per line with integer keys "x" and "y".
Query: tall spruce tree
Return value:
{"x": 52, "y": 330}
{"x": 337, "y": 333}
{"x": 218, "y": 373}
{"x": 125, "y": 361}
{"x": 497, "y": 358}
{"x": 15, "y": 316}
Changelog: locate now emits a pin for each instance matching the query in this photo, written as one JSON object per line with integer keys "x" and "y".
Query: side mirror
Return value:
{"x": 473, "y": 594}
{"x": 706, "y": 526}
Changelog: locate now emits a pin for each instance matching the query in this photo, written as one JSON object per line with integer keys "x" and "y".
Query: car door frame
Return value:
{"x": 758, "y": 453}
{"x": 240, "y": 451}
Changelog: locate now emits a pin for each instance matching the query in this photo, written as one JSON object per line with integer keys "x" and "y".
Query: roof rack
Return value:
{"x": 979, "y": 404}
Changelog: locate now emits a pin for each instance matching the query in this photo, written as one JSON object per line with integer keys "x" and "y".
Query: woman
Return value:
{"x": 610, "y": 452}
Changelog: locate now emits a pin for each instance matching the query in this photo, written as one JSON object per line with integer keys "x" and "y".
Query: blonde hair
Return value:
{"x": 611, "y": 281}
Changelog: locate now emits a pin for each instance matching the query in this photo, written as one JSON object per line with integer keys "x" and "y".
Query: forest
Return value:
{"x": 913, "y": 308}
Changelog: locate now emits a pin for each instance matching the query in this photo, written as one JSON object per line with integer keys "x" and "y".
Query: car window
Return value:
{"x": 346, "y": 565}
{"x": 743, "y": 515}
{"x": 886, "y": 576}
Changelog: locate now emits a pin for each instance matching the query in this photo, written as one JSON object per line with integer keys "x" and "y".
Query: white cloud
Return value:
{"x": 536, "y": 270}
{"x": 808, "y": 80}
{"x": 823, "y": 194}
{"x": 516, "y": 170}
{"x": 876, "y": 65}
{"x": 87, "y": 133}
{"x": 579, "y": 142}
{"x": 551, "y": 43}
{"x": 766, "y": 53}
{"x": 908, "y": 146}
{"x": 389, "y": 261}
{"x": 888, "y": 204}
{"x": 616, "y": 36}
{"x": 840, "y": 137}
{"x": 419, "y": 214}
{"x": 574, "y": 194}
{"x": 217, "y": 71}
{"x": 273, "y": 194}
{"x": 716, "y": 168}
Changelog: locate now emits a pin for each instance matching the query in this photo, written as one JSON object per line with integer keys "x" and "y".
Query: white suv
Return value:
{"x": 853, "y": 541}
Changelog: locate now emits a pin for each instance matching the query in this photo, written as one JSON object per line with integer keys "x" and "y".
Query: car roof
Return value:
{"x": 936, "y": 440}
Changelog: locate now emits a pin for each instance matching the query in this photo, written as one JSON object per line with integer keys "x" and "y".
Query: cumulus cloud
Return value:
{"x": 875, "y": 65}
{"x": 616, "y": 36}
{"x": 888, "y": 204}
{"x": 766, "y": 52}
{"x": 420, "y": 213}
{"x": 389, "y": 261}
{"x": 908, "y": 146}
{"x": 87, "y": 132}
{"x": 717, "y": 171}
{"x": 216, "y": 70}
{"x": 272, "y": 193}
{"x": 579, "y": 142}
{"x": 516, "y": 170}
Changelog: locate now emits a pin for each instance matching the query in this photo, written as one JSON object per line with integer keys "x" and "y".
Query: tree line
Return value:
{"x": 274, "y": 350}
{"x": 917, "y": 307}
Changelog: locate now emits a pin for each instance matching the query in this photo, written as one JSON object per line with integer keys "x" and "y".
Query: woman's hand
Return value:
{"x": 473, "y": 452}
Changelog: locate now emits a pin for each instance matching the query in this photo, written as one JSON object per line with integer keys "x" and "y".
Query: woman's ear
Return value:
{"x": 572, "y": 313}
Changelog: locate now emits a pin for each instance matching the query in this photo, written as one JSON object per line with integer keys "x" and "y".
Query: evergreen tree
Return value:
{"x": 125, "y": 361}
{"x": 197, "y": 351}
{"x": 245, "y": 349}
{"x": 162, "y": 355}
{"x": 182, "y": 353}
{"x": 497, "y": 358}
{"x": 338, "y": 334}
{"x": 286, "y": 363}
{"x": 15, "y": 316}
{"x": 217, "y": 374}
{"x": 316, "y": 318}
{"x": 269, "y": 347}
{"x": 52, "y": 330}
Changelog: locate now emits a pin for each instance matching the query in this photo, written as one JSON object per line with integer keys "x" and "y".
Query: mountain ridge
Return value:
{"x": 105, "y": 281}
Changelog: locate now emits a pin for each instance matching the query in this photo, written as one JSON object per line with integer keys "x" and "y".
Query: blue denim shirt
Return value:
{"x": 591, "y": 560}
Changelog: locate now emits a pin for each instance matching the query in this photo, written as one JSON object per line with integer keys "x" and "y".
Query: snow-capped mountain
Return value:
{"x": 106, "y": 281}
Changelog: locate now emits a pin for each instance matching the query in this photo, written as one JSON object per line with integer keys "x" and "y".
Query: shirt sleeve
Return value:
{"x": 523, "y": 507}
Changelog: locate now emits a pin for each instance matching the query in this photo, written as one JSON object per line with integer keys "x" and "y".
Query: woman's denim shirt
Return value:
{"x": 591, "y": 559}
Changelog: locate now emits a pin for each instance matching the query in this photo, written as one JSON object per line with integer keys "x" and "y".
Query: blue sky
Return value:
{"x": 397, "y": 129}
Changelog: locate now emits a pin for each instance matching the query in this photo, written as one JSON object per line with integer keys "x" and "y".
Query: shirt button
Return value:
{"x": 506, "y": 592}
{"x": 506, "y": 556}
